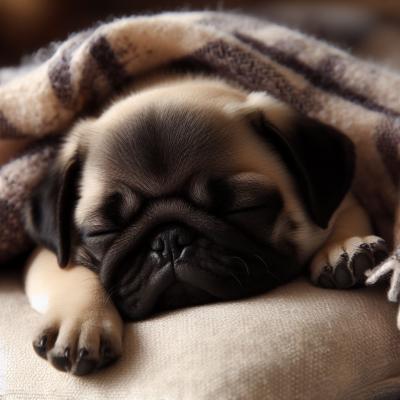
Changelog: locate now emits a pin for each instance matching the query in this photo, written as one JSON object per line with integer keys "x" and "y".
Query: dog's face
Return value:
{"x": 192, "y": 192}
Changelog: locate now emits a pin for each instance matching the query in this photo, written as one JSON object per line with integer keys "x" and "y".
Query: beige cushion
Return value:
{"x": 297, "y": 342}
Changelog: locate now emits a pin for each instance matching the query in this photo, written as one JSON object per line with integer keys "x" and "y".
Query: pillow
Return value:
{"x": 296, "y": 342}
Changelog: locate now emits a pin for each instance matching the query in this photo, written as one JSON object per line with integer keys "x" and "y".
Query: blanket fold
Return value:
{"x": 45, "y": 97}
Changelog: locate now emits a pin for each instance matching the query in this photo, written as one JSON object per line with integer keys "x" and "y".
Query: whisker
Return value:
{"x": 109, "y": 293}
{"x": 267, "y": 268}
{"x": 242, "y": 262}
{"x": 236, "y": 278}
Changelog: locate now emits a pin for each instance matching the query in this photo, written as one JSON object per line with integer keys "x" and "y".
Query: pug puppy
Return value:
{"x": 186, "y": 190}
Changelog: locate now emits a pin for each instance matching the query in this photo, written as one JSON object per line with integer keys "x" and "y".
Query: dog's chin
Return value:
{"x": 203, "y": 273}
{"x": 175, "y": 286}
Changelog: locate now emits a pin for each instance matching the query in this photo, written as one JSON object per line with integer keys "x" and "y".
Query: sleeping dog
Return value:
{"x": 186, "y": 190}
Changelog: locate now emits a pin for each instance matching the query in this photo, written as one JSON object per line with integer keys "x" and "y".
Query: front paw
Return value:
{"x": 343, "y": 265}
{"x": 80, "y": 343}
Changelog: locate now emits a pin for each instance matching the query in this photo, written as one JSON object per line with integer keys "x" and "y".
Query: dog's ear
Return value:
{"x": 49, "y": 211}
{"x": 320, "y": 158}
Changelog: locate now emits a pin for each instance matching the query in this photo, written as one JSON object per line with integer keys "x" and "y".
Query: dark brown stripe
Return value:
{"x": 106, "y": 59}
{"x": 191, "y": 64}
{"x": 239, "y": 65}
{"x": 60, "y": 68}
{"x": 388, "y": 145}
{"x": 320, "y": 77}
{"x": 60, "y": 78}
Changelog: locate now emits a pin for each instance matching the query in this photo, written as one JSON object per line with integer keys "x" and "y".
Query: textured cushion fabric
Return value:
{"x": 296, "y": 342}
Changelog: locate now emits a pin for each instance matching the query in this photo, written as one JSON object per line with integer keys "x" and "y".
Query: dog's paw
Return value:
{"x": 343, "y": 265}
{"x": 80, "y": 342}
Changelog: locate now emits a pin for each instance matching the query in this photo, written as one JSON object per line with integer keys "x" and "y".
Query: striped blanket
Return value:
{"x": 41, "y": 99}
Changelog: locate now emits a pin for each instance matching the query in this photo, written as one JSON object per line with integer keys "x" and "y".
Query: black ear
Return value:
{"x": 320, "y": 159}
{"x": 49, "y": 212}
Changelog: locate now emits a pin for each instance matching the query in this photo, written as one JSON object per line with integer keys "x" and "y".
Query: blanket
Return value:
{"x": 42, "y": 98}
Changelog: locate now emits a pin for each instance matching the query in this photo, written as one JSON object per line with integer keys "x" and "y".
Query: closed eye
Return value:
{"x": 100, "y": 233}
{"x": 243, "y": 193}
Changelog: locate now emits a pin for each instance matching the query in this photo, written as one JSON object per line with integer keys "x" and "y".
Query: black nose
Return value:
{"x": 172, "y": 240}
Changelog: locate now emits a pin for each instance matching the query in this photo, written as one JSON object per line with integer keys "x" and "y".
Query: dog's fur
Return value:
{"x": 186, "y": 190}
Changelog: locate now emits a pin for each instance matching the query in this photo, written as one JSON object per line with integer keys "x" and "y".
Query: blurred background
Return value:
{"x": 369, "y": 28}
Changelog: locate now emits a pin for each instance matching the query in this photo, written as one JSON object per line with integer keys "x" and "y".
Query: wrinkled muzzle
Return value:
{"x": 177, "y": 265}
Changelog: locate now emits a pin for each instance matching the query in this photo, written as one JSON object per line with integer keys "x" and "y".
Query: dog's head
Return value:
{"x": 191, "y": 192}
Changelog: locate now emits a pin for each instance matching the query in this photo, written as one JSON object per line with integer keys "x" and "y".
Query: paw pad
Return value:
{"x": 343, "y": 265}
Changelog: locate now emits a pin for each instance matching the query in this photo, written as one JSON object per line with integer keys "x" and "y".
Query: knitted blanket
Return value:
{"x": 41, "y": 99}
